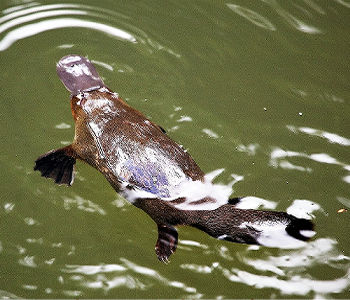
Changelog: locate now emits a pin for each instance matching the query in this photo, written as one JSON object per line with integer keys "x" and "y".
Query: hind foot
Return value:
{"x": 166, "y": 243}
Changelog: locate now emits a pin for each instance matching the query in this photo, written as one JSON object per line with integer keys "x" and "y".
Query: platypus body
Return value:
{"x": 149, "y": 169}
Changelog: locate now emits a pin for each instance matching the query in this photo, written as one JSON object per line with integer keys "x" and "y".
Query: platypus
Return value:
{"x": 153, "y": 172}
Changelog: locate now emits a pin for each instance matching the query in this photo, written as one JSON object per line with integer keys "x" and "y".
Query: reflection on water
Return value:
{"x": 82, "y": 204}
{"x": 289, "y": 18}
{"x": 21, "y": 10}
{"x": 210, "y": 133}
{"x": 293, "y": 285}
{"x": 49, "y": 11}
{"x": 252, "y": 16}
{"x": 286, "y": 270}
{"x": 33, "y": 29}
{"x": 330, "y": 137}
{"x": 127, "y": 274}
{"x": 110, "y": 276}
{"x": 7, "y": 295}
{"x": 278, "y": 160}
{"x": 27, "y": 261}
{"x": 36, "y": 12}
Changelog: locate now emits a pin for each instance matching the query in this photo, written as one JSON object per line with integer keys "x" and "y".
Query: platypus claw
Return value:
{"x": 166, "y": 243}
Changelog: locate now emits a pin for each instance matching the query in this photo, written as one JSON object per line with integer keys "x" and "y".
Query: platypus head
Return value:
{"x": 78, "y": 74}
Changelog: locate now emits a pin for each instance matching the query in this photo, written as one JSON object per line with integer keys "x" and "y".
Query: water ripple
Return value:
{"x": 39, "y": 15}
{"x": 12, "y": 15}
{"x": 250, "y": 149}
{"x": 330, "y": 137}
{"x": 7, "y": 295}
{"x": 28, "y": 261}
{"x": 285, "y": 268}
{"x": 260, "y": 21}
{"x": 82, "y": 204}
{"x": 154, "y": 274}
{"x": 197, "y": 268}
{"x": 193, "y": 243}
{"x": 278, "y": 156}
{"x": 315, "y": 7}
{"x": 343, "y": 2}
{"x": 210, "y": 133}
{"x": 292, "y": 20}
{"x": 252, "y": 16}
{"x": 290, "y": 286}
{"x": 110, "y": 276}
{"x": 27, "y": 21}
{"x": 298, "y": 24}
{"x": 18, "y": 7}
{"x": 42, "y": 26}
{"x": 94, "y": 269}
{"x": 103, "y": 65}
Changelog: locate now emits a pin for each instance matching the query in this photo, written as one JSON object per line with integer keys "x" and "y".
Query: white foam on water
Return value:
{"x": 274, "y": 235}
{"x": 251, "y": 202}
{"x": 303, "y": 209}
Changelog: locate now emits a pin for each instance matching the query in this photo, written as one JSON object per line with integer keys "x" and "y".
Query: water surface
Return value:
{"x": 260, "y": 88}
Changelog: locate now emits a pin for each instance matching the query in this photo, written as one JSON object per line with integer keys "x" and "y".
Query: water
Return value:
{"x": 260, "y": 88}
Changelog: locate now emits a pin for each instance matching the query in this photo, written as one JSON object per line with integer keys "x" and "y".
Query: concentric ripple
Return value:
{"x": 28, "y": 20}
{"x": 31, "y": 21}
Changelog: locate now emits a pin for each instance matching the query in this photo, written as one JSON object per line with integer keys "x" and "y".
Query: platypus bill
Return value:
{"x": 152, "y": 171}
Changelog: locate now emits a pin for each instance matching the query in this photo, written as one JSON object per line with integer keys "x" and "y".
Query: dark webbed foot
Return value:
{"x": 58, "y": 165}
{"x": 166, "y": 243}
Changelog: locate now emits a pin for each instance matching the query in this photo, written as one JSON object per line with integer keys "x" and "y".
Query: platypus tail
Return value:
{"x": 250, "y": 226}
{"x": 227, "y": 222}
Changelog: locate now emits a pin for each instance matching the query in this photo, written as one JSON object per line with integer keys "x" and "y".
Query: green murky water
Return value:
{"x": 260, "y": 88}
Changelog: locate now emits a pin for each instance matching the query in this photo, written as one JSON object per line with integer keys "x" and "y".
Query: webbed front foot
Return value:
{"x": 57, "y": 164}
{"x": 166, "y": 243}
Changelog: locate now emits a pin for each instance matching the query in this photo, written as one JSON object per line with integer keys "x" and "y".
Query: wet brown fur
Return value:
{"x": 131, "y": 127}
